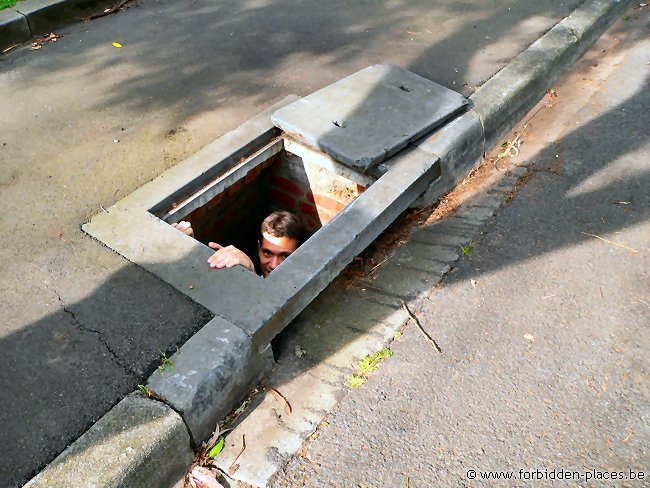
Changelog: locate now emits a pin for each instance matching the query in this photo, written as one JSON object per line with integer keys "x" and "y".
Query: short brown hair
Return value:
{"x": 284, "y": 224}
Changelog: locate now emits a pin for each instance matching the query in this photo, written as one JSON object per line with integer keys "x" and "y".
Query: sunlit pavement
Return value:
{"x": 542, "y": 326}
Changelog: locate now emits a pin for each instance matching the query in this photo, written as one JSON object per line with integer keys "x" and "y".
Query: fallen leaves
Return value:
{"x": 217, "y": 448}
{"x": 299, "y": 352}
{"x": 201, "y": 477}
{"x": 38, "y": 43}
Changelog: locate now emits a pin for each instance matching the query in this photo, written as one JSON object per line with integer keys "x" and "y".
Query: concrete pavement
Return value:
{"x": 88, "y": 123}
{"x": 542, "y": 326}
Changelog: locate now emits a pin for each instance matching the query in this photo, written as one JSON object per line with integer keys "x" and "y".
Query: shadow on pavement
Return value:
{"x": 101, "y": 361}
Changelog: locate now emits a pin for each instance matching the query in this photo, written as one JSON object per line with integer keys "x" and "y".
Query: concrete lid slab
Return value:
{"x": 367, "y": 117}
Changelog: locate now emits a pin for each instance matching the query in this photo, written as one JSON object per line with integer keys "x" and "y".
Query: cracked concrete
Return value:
{"x": 98, "y": 334}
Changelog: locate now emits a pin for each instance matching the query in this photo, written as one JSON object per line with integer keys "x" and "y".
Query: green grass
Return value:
{"x": 7, "y": 3}
{"x": 368, "y": 364}
{"x": 165, "y": 363}
{"x": 465, "y": 250}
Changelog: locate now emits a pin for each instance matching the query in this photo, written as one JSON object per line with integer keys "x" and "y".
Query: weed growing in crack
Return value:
{"x": 356, "y": 381}
{"x": 465, "y": 250}
{"x": 165, "y": 363}
{"x": 368, "y": 364}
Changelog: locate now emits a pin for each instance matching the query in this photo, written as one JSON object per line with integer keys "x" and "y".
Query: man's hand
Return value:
{"x": 227, "y": 257}
{"x": 185, "y": 227}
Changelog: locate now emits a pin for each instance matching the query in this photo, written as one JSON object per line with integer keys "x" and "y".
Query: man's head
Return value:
{"x": 281, "y": 234}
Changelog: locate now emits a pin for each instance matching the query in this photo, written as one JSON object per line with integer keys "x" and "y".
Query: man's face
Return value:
{"x": 274, "y": 250}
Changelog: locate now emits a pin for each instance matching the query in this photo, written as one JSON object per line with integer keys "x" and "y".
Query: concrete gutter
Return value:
{"x": 145, "y": 442}
{"x": 31, "y": 18}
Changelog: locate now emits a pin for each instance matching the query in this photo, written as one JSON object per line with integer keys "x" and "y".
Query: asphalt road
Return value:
{"x": 543, "y": 328}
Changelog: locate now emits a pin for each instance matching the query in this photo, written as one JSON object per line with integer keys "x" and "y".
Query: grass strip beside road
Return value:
{"x": 7, "y": 3}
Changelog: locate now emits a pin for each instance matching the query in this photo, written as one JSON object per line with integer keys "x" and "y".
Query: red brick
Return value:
{"x": 313, "y": 226}
{"x": 309, "y": 209}
{"x": 282, "y": 198}
{"x": 286, "y": 185}
{"x": 196, "y": 214}
{"x": 214, "y": 202}
{"x": 326, "y": 216}
{"x": 252, "y": 174}
{"x": 327, "y": 203}
{"x": 234, "y": 188}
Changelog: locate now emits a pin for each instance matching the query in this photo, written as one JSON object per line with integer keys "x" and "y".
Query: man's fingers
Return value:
{"x": 185, "y": 227}
{"x": 214, "y": 245}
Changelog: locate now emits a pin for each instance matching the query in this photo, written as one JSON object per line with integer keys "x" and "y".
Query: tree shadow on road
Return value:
{"x": 51, "y": 354}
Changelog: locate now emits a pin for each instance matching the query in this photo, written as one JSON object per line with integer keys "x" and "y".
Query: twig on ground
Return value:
{"x": 642, "y": 301}
{"x": 234, "y": 466}
{"x": 378, "y": 264}
{"x": 8, "y": 49}
{"x": 610, "y": 242}
{"x": 513, "y": 146}
{"x": 279, "y": 397}
{"x": 108, "y": 11}
{"x": 429, "y": 339}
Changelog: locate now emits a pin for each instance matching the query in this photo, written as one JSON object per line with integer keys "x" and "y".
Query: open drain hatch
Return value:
{"x": 341, "y": 159}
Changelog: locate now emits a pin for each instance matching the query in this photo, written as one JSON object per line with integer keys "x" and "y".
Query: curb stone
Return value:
{"x": 496, "y": 107}
{"x": 30, "y": 18}
{"x": 508, "y": 96}
{"x": 138, "y": 443}
{"x": 212, "y": 370}
{"x": 14, "y": 28}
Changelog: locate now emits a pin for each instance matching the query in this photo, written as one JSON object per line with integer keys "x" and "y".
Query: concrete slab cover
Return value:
{"x": 365, "y": 118}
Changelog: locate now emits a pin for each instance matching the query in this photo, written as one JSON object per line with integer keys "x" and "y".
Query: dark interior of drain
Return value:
{"x": 283, "y": 182}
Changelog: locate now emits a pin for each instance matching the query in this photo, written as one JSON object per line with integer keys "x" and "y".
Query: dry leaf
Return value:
{"x": 204, "y": 478}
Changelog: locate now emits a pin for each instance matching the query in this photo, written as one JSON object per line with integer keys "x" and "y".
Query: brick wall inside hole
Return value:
{"x": 284, "y": 182}
{"x": 312, "y": 192}
{"x": 234, "y": 216}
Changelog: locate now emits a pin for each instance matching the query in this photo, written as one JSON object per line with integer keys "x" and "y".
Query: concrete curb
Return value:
{"x": 506, "y": 97}
{"x": 30, "y": 18}
{"x": 139, "y": 442}
{"x": 202, "y": 387}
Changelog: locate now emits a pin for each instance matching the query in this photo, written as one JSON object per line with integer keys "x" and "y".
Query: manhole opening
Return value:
{"x": 229, "y": 208}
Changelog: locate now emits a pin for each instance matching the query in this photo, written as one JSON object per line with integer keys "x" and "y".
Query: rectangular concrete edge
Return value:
{"x": 460, "y": 146}
{"x": 317, "y": 262}
{"x": 213, "y": 159}
{"x": 44, "y": 16}
{"x": 14, "y": 28}
{"x": 214, "y": 369}
{"x": 152, "y": 248}
{"x": 514, "y": 90}
{"x": 139, "y": 443}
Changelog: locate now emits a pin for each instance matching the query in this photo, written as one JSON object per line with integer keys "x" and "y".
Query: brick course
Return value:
{"x": 284, "y": 182}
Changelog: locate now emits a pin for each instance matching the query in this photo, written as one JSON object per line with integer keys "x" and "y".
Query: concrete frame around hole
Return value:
{"x": 261, "y": 308}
